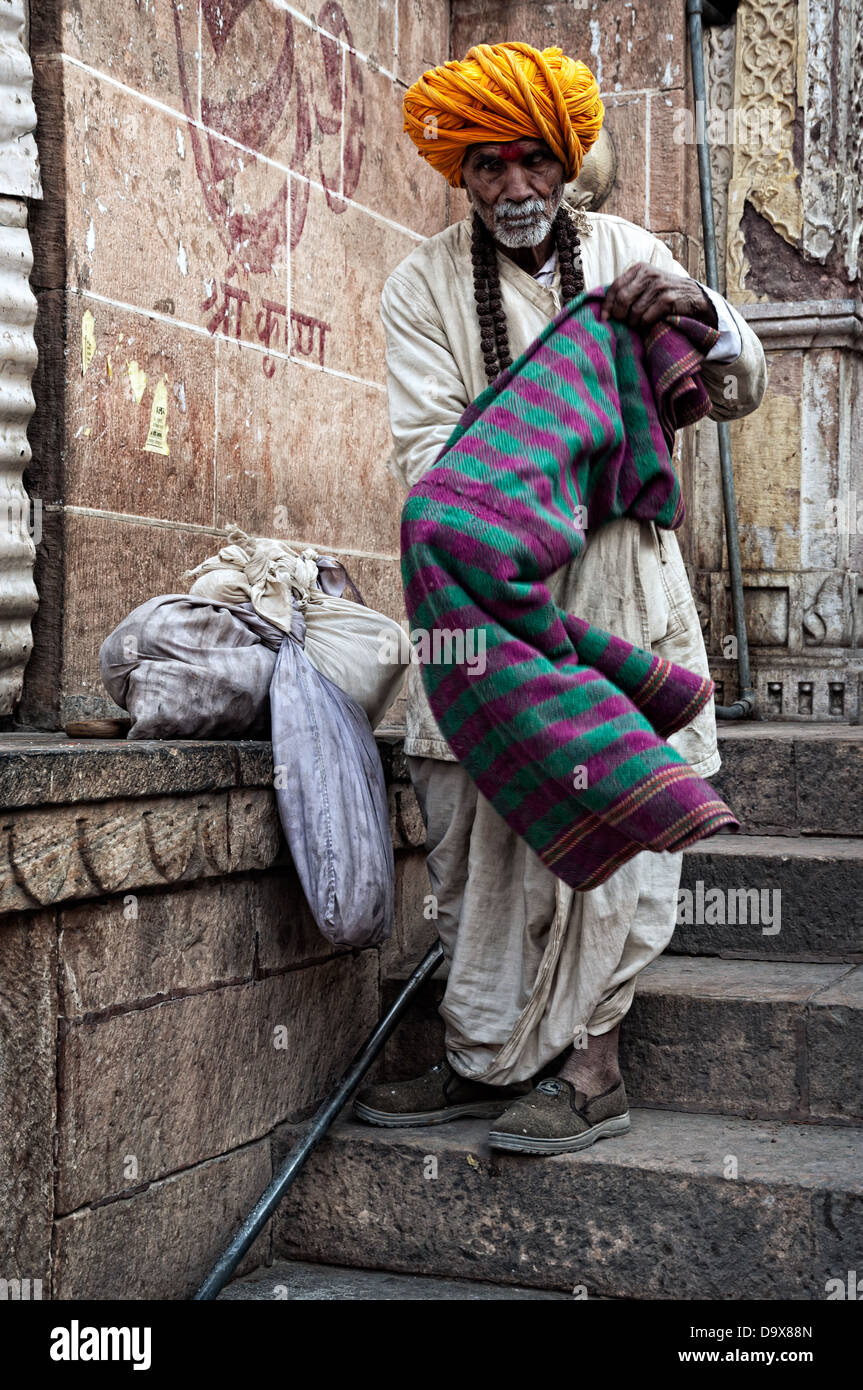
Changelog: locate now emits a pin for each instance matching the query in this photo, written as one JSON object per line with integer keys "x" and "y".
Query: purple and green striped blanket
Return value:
{"x": 562, "y": 726}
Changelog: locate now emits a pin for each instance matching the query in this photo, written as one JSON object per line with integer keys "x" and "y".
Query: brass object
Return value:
{"x": 597, "y": 176}
{"x": 97, "y": 728}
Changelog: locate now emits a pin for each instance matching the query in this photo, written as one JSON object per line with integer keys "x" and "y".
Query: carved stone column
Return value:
{"x": 789, "y": 191}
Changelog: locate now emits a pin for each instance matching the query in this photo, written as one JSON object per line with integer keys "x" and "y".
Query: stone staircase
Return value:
{"x": 742, "y": 1176}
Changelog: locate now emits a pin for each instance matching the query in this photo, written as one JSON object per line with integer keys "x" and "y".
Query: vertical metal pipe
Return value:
{"x": 268, "y": 1201}
{"x": 745, "y": 703}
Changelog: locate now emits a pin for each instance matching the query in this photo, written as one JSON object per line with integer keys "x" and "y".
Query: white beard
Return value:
{"x": 523, "y": 232}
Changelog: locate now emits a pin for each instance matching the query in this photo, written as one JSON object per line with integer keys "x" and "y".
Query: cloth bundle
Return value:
{"x": 564, "y": 729}
{"x": 363, "y": 652}
{"x": 193, "y": 666}
{"x": 184, "y": 667}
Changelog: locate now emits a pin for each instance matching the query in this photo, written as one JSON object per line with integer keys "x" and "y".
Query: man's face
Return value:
{"x": 516, "y": 189}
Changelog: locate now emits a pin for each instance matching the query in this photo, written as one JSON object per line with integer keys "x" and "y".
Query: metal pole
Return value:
{"x": 745, "y": 703}
{"x": 318, "y": 1126}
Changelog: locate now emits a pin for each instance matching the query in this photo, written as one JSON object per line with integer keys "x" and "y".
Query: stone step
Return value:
{"x": 779, "y": 777}
{"x": 299, "y": 1282}
{"x": 786, "y": 778}
{"x": 757, "y": 1039}
{"x": 810, "y": 886}
{"x": 682, "y": 1207}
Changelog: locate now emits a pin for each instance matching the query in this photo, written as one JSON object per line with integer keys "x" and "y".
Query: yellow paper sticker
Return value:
{"x": 157, "y": 439}
{"x": 88, "y": 340}
{"x": 137, "y": 380}
{"x": 110, "y": 368}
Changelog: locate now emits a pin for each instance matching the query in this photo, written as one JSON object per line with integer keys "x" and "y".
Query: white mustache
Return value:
{"x": 520, "y": 212}
{"x": 522, "y": 224}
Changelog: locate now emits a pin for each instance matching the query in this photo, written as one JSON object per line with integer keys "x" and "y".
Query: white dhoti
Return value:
{"x": 533, "y": 965}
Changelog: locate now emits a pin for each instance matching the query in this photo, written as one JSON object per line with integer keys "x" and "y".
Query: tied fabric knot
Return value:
{"x": 276, "y": 579}
{"x": 312, "y": 599}
{"x": 269, "y": 564}
{"x": 500, "y": 93}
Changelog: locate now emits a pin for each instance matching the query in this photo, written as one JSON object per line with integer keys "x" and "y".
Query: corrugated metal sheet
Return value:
{"x": 19, "y": 159}
{"x": 19, "y": 179}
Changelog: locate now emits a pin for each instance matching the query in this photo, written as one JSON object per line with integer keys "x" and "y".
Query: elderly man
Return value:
{"x": 540, "y": 976}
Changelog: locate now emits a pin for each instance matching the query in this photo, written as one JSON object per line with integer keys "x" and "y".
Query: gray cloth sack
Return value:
{"x": 190, "y": 668}
{"x": 194, "y": 668}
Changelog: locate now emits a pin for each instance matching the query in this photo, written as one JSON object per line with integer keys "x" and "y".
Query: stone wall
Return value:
{"x": 226, "y": 189}
{"x": 794, "y": 210}
{"x": 165, "y": 1003}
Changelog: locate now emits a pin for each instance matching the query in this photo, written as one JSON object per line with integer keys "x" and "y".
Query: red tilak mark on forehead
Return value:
{"x": 515, "y": 150}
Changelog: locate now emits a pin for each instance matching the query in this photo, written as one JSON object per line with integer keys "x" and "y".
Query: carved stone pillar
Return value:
{"x": 789, "y": 197}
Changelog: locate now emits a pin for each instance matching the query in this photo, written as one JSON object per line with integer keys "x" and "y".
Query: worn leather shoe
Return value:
{"x": 438, "y": 1095}
{"x": 549, "y": 1120}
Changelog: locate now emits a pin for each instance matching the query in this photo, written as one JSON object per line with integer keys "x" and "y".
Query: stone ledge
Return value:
{"x": 819, "y": 323}
{"x": 768, "y": 1040}
{"x": 648, "y": 1216}
{"x": 107, "y": 847}
{"x": 41, "y": 769}
{"x": 83, "y": 818}
{"x": 51, "y": 769}
{"x": 337, "y": 1284}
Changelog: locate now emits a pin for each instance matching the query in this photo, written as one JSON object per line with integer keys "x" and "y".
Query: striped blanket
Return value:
{"x": 561, "y": 725}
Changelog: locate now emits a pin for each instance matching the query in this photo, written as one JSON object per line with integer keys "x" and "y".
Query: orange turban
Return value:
{"x": 502, "y": 92}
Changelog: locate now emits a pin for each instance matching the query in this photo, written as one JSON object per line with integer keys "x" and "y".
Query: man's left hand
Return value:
{"x": 643, "y": 294}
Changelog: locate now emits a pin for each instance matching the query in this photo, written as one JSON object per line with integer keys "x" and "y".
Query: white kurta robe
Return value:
{"x": 533, "y": 966}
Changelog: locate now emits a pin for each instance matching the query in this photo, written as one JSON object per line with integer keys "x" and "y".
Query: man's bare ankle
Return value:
{"x": 594, "y": 1068}
{"x": 590, "y": 1083}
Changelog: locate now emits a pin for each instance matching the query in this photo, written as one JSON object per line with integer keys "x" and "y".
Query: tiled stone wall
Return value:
{"x": 161, "y": 1010}
{"x": 226, "y": 189}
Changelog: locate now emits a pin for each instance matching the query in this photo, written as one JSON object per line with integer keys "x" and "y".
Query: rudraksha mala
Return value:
{"x": 487, "y": 292}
